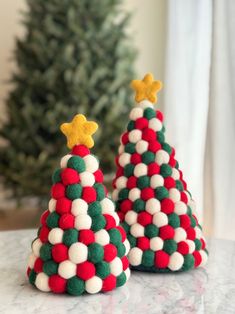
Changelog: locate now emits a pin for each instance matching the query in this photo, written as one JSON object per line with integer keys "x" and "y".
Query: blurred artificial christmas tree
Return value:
{"x": 76, "y": 56}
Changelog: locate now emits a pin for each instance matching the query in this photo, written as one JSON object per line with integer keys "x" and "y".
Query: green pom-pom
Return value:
{"x": 74, "y": 191}
{"x": 160, "y": 137}
{"x": 32, "y": 277}
{"x": 95, "y": 253}
{"x": 165, "y": 170}
{"x": 198, "y": 244}
{"x": 188, "y": 262}
{"x": 166, "y": 147}
{"x": 121, "y": 279}
{"x": 169, "y": 246}
{"x": 129, "y": 170}
{"x": 98, "y": 223}
{"x": 151, "y": 231}
{"x": 77, "y": 163}
{"x": 115, "y": 236}
{"x": 161, "y": 192}
{"x": 139, "y": 206}
{"x": 123, "y": 194}
{"x": 177, "y": 165}
{"x": 163, "y": 128}
{"x": 132, "y": 240}
{"x": 70, "y": 236}
{"x": 148, "y": 158}
{"x": 53, "y": 220}
{"x": 179, "y": 185}
{"x": 143, "y": 182}
{"x": 189, "y": 211}
{"x": 148, "y": 258}
{"x": 75, "y": 286}
{"x": 102, "y": 269}
{"x": 100, "y": 191}
{"x": 121, "y": 249}
{"x": 149, "y": 113}
{"x": 56, "y": 176}
{"x": 50, "y": 268}
{"x": 131, "y": 125}
{"x": 173, "y": 220}
{"x": 125, "y": 226}
{"x": 193, "y": 221}
{"x": 45, "y": 251}
{"x": 130, "y": 148}
{"x": 94, "y": 209}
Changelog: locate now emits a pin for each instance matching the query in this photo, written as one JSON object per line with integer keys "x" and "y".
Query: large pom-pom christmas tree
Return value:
{"x": 153, "y": 202}
{"x": 80, "y": 245}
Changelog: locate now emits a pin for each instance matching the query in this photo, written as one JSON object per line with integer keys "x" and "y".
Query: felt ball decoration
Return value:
{"x": 124, "y": 159}
{"x": 50, "y": 268}
{"x": 106, "y": 205}
{"x": 141, "y": 146}
{"x": 109, "y": 283}
{"x": 64, "y": 161}
{"x": 51, "y": 205}
{"x": 56, "y": 235}
{"x": 153, "y": 206}
{"x": 156, "y": 244}
{"x": 140, "y": 170}
{"x": 135, "y": 136}
{"x": 86, "y": 236}
{"x": 180, "y": 208}
{"x": 162, "y": 157}
{"x": 79, "y": 207}
{"x": 136, "y": 113}
{"x": 91, "y": 163}
{"x": 160, "y": 219}
{"x": 80, "y": 150}
{"x": 110, "y": 252}
{"x": 145, "y": 104}
{"x": 63, "y": 205}
{"x": 36, "y": 246}
{"x": 137, "y": 230}
{"x": 155, "y": 124}
{"x": 86, "y": 270}
{"x": 41, "y": 282}
{"x": 57, "y": 284}
{"x": 116, "y": 266}
{"x": 87, "y": 178}
{"x": 73, "y": 191}
{"x": 161, "y": 259}
{"x": 67, "y": 269}
{"x": 180, "y": 234}
{"x": 131, "y": 217}
{"x": 83, "y": 222}
{"x": 121, "y": 182}
{"x": 174, "y": 195}
{"x": 135, "y": 256}
{"x": 59, "y": 252}
{"x": 78, "y": 252}
{"x": 31, "y": 261}
{"x": 75, "y": 286}
{"x": 69, "y": 176}
{"x": 102, "y": 237}
{"x": 93, "y": 285}
{"x": 156, "y": 180}
{"x": 77, "y": 163}
{"x": 176, "y": 261}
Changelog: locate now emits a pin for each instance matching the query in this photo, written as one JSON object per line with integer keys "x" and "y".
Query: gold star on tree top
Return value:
{"x": 79, "y": 131}
{"x": 147, "y": 88}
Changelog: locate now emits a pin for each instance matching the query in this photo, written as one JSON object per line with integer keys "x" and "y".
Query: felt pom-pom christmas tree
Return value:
{"x": 80, "y": 245}
{"x": 153, "y": 202}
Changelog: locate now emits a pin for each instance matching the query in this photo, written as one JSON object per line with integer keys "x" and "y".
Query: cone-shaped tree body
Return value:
{"x": 153, "y": 202}
{"x": 80, "y": 246}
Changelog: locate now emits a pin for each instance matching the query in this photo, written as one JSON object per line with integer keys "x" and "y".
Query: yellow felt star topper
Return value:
{"x": 146, "y": 88}
{"x": 79, "y": 131}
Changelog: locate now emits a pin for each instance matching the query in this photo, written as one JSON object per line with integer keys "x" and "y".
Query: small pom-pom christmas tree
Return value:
{"x": 153, "y": 202}
{"x": 80, "y": 245}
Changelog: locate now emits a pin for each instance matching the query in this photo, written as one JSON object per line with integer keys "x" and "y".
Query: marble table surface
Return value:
{"x": 209, "y": 290}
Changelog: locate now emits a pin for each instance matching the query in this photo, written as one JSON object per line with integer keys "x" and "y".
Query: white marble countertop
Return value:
{"x": 209, "y": 290}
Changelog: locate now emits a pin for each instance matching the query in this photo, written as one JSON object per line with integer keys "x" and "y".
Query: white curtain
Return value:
{"x": 199, "y": 105}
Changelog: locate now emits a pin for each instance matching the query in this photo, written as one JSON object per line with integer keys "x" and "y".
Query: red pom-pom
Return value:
{"x": 191, "y": 233}
{"x": 159, "y": 115}
{"x": 80, "y": 150}
{"x": 44, "y": 217}
{"x": 169, "y": 183}
{"x": 63, "y": 206}
{"x": 184, "y": 221}
{"x": 197, "y": 258}
{"x": 43, "y": 234}
{"x": 110, "y": 221}
{"x": 184, "y": 184}
{"x": 148, "y": 135}
{"x": 125, "y": 206}
{"x": 181, "y": 174}
{"x": 131, "y": 182}
{"x": 154, "y": 146}
{"x": 124, "y": 138}
{"x": 59, "y": 252}
{"x": 153, "y": 168}
{"x": 89, "y": 194}
{"x": 166, "y": 232}
{"x": 57, "y": 284}
{"x": 136, "y": 158}
{"x": 109, "y": 283}
{"x": 161, "y": 259}
{"x": 38, "y": 265}
{"x": 116, "y": 159}
{"x": 183, "y": 247}
{"x": 125, "y": 262}
{"x": 28, "y": 271}
{"x": 86, "y": 236}
{"x": 167, "y": 206}
{"x": 123, "y": 233}
{"x": 147, "y": 193}
{"x": 57, "y": 191}
{"x": 69, "y": 176}
{"x": 121, "y": 216}
{"x": 99, "y": 177}
{"x": 203, "y": 243}
{"x": 172, "y": 161}
{"x": 119, "y": 172}
{"x": 184, "y": 197}
{"x": 144, "y": 218}
{"x": 85, "y": 270}
{"x": 66, "y": 221}
{"x": 141, "y": 123}
{"x": 110, "y": 252}
{"x": 143, "y": 243}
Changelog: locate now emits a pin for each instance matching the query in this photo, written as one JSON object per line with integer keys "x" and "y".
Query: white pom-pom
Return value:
{"x": 180, "y": 208}
{"x": 162, "y": 157}
{"x": 135, "y": 256}
{"x": 204, "y": 258}
{"x": 115, "y": 195}
{"x": 174, "y": 195}
{"x": 156, "y": 180}
{"x": 93, "y": 285}
{"x": 153, "y": 206}
{"x": 78, "y": 253}
{"x": 124, "y": 159}
{"x": 107, "y": 205}
{"x": 56, "y": 236}
{"x": 36, "y": 246}
{"x": 121, "y": 182}
{"x": 52, "y": 205}
{"x": 145, "y": 104}
{"x": 180, "y": 234}
{"x": 79, "y": 207}
{"x": 64, "y": 160}
{"x": 191, "y": 246}
{"x": 140, "y": 170}
{"x": 137, "y": 230}
{"x": 116, "y": 266}
{"x": 41, "y": 282}
{"x": 134, "y": 136}
{"x": 127, "y": 246}
{"x": 156, "y": 244}
{"x": 31, "y": 261}
{"x": 141, "y": 147}
{"x": 67, "y": 269}
{"x": 160, "y": 219}
{"x": 131, "y": 217}
{"x": 198, "y": 232}
{"x": 91, "y": 163}
{"x": 102, "y": 237}
{"x": 155, "y": 124}
{"x": 134, "y": 194}
{"x": 120, "y": 149}
{"x": 127, "y": 273}
{"x": 136, "y": 113}
{"x": 87, "y": 178}
{"x": 83, "y": 222}
{"x": 176, "y": 261}
{"x": 175, "y": 174}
